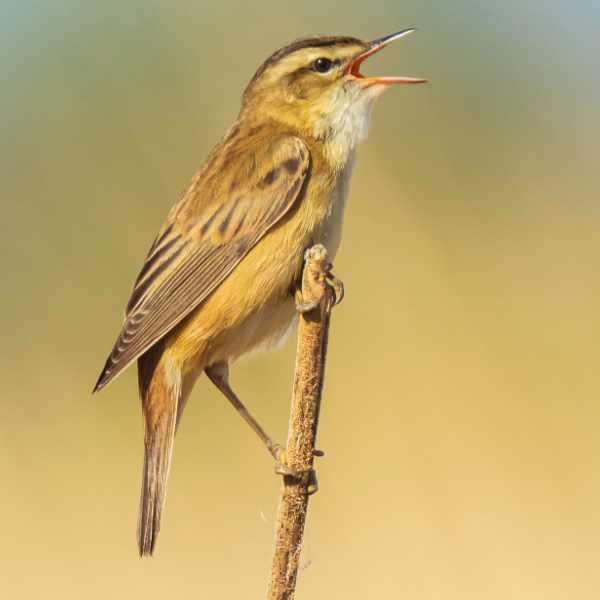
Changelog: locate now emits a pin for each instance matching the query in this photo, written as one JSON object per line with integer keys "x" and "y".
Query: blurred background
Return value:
{"x": 461, "y": 411}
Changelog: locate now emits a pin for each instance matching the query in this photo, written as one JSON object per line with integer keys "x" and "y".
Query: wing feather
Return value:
{"x": 203, "y": 241}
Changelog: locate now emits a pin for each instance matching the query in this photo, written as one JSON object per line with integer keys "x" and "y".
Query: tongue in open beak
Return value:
{"x": 374, "y": 47}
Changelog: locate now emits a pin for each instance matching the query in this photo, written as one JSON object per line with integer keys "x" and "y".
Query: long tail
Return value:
{"x": 160, "y": 390}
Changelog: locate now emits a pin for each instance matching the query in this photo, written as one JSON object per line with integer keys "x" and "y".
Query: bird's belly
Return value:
{"x": 253, "y": 308}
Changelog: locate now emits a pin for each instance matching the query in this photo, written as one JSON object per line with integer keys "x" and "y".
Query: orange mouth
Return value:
{"x": 374, "y": 47}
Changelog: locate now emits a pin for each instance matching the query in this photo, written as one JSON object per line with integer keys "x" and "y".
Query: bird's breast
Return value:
{"x": 328, "y": 231}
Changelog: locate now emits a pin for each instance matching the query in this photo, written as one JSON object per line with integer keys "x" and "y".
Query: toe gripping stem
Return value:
{"x": 307, "y": 477}
{"x": 319, "y": 254}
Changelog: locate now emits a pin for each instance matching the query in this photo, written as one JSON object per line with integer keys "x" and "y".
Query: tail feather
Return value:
{"x": 161, "y": 393}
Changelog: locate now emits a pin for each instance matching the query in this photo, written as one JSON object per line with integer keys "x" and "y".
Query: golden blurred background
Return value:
{"x": 461, "y": 404}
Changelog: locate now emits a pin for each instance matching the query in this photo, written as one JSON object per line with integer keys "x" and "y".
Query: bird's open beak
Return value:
{"x": 374, "y": 47}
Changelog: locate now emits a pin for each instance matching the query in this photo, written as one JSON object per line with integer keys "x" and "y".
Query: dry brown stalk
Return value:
{"x": 306, "y": 399}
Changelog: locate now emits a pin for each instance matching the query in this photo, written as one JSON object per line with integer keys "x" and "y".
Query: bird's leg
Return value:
{"x": 219, "y": 375}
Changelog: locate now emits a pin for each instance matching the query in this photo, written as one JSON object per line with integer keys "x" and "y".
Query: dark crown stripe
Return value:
{"x": 309, "y": 42}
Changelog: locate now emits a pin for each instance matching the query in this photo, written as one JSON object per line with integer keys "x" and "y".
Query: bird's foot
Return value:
{"x": 304, "y": 307}
{"x": 282, "y": 468}
{"x": 321, "y": 277}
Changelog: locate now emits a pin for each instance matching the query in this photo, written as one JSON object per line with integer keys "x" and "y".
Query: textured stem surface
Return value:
{"x": 304, "y": 418}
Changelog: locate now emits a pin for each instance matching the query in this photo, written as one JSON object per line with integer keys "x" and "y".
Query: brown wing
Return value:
{"x": 206, "y": 236}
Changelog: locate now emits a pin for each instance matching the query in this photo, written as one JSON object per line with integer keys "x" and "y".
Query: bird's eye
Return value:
{"x": 322, "y": 65}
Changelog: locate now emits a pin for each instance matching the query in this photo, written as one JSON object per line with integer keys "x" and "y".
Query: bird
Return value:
{"x": 221, "y": 278}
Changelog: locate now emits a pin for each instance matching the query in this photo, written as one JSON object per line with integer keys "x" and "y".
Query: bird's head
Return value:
{"x": 315, "y": 86}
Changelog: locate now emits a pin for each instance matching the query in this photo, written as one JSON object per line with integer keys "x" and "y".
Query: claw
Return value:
{"x": 281, "y": 468}
{"x": 312, "y": 485}
{"x": 304, "y": 307}
{"x": 334, "y": 283}
{"x": 337, "y": 286}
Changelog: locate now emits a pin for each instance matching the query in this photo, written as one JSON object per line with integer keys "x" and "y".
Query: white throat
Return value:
{"x": 347, "y": 124}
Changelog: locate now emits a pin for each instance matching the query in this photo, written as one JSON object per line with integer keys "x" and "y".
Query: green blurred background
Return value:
{"x": 461, "y": 406}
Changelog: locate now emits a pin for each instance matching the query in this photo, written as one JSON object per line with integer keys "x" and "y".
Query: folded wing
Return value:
{"x": 205, "y": 237}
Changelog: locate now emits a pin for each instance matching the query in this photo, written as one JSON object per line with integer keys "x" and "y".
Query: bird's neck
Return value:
{"x": 340, "y": 130}
{"x": 337, "y": 130}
